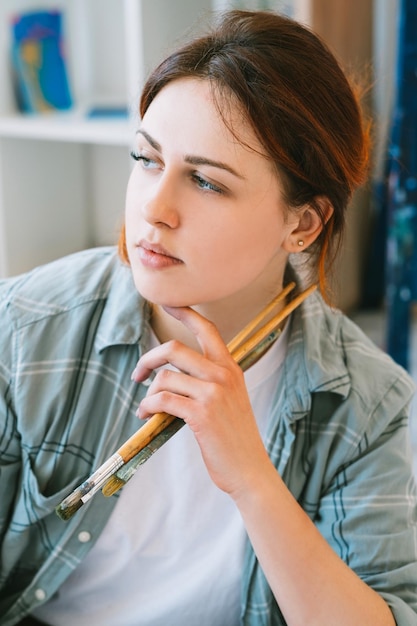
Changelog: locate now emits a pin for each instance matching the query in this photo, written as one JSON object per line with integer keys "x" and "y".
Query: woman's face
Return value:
{"x": 205, "y": 216}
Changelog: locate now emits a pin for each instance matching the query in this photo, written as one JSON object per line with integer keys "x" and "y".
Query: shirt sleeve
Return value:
{"x": 368, "y": 514}
{"x": 10, "y": 457}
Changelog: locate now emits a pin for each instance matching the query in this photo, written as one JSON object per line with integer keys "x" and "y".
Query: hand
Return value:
{"x": 210, "y": 395}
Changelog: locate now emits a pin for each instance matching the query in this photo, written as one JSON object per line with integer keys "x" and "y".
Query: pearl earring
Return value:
{"x": 300, "y": 243}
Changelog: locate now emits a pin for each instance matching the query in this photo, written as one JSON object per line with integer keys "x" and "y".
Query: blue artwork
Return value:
{"x": 401, "y": 252}
{"x": 38, "y": 62}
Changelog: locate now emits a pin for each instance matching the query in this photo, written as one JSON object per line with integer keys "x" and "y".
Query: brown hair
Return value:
{"x": 298, "y": 101}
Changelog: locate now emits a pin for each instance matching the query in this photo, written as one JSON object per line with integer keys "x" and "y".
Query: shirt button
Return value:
{"x": 40, "y": 594}
{"x": 84, "y": 536}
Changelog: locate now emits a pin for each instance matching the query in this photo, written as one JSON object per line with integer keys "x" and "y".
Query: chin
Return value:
{"x": 155, "y": 296}
{"x": 167, "y": 292}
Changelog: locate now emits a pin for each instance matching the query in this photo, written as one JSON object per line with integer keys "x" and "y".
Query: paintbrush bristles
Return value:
{"x": 89, "y": 487}
{"x": 125, "y": 473}
{"x": 66, "y": 513}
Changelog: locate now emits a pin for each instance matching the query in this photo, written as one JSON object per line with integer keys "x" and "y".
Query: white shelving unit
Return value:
{"x": 63, "y": 176}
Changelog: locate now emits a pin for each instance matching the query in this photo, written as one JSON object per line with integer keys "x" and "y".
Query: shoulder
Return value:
{"x": 58, "y": 286}
{"x": 374, "y": 376}
{"x": 343, "y": 395}
{"x": 330, "y": 355}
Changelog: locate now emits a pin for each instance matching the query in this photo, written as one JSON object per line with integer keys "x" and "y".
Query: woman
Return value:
{"x": 288, "y": 497}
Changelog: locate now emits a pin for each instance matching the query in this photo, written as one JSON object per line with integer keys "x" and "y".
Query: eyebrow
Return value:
{"x": 149, "y": 139}
{"x": 192, "y": 159}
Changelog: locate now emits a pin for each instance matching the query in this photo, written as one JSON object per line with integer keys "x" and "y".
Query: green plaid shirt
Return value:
{"x": 71, "y": 334}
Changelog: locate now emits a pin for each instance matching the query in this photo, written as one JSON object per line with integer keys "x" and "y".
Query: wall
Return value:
{"x": 347, "y": 27}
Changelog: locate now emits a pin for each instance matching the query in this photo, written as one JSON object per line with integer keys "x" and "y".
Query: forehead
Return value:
{"x": 202, "y": 108}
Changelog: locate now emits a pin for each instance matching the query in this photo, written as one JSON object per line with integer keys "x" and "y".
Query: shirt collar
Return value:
{"x": 125, "y": 312}
{"x": 314, "y": 361}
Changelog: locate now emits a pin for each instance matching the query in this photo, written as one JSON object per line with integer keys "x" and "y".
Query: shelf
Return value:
{"x": 63, "y": 174}
{"x": 68, "y": 127}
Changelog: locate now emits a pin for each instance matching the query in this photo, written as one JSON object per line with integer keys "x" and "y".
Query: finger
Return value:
{"x": 174, "y": 404}
{"x": 205, "y": 331}
{"x": 165, "y": 386}
{"x": 176, "y": 354}
{"x": 174, "y": 382}
{"x": 189, "y": 398}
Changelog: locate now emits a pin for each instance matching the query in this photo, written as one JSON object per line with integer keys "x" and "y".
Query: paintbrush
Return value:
{"x": 246, "y": 349}
{"x": 244, "y": 359}
{"x": 126, "y": 471}
{"x": 241, "y": 347}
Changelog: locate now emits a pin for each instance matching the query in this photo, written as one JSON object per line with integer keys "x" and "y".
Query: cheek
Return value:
{"x": 239, "y": 251}
{"x": 260, "y": 235}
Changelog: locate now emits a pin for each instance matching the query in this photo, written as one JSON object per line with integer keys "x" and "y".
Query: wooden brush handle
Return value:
{"x": 243, "y": 350}
{"x": 155, "y": 424}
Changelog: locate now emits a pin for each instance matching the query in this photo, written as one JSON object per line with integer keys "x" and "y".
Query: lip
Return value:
{"x": 155, "y": 256}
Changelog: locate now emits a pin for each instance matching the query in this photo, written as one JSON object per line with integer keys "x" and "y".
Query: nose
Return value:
{"x": 160, "y": 206}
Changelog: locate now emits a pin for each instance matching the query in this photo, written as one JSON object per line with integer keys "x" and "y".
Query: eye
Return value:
{"x": 146, "y": 162}
{"x": 206, "y": 185}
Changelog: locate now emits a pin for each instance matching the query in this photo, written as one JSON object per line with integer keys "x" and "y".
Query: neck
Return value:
{"x": 229, "y": 315}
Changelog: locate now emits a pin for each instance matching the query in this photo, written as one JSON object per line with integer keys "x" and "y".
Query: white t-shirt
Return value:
{"x": 172, "y": 550}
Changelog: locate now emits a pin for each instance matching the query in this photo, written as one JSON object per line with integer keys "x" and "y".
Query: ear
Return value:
{"x": 307, "y": 225}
